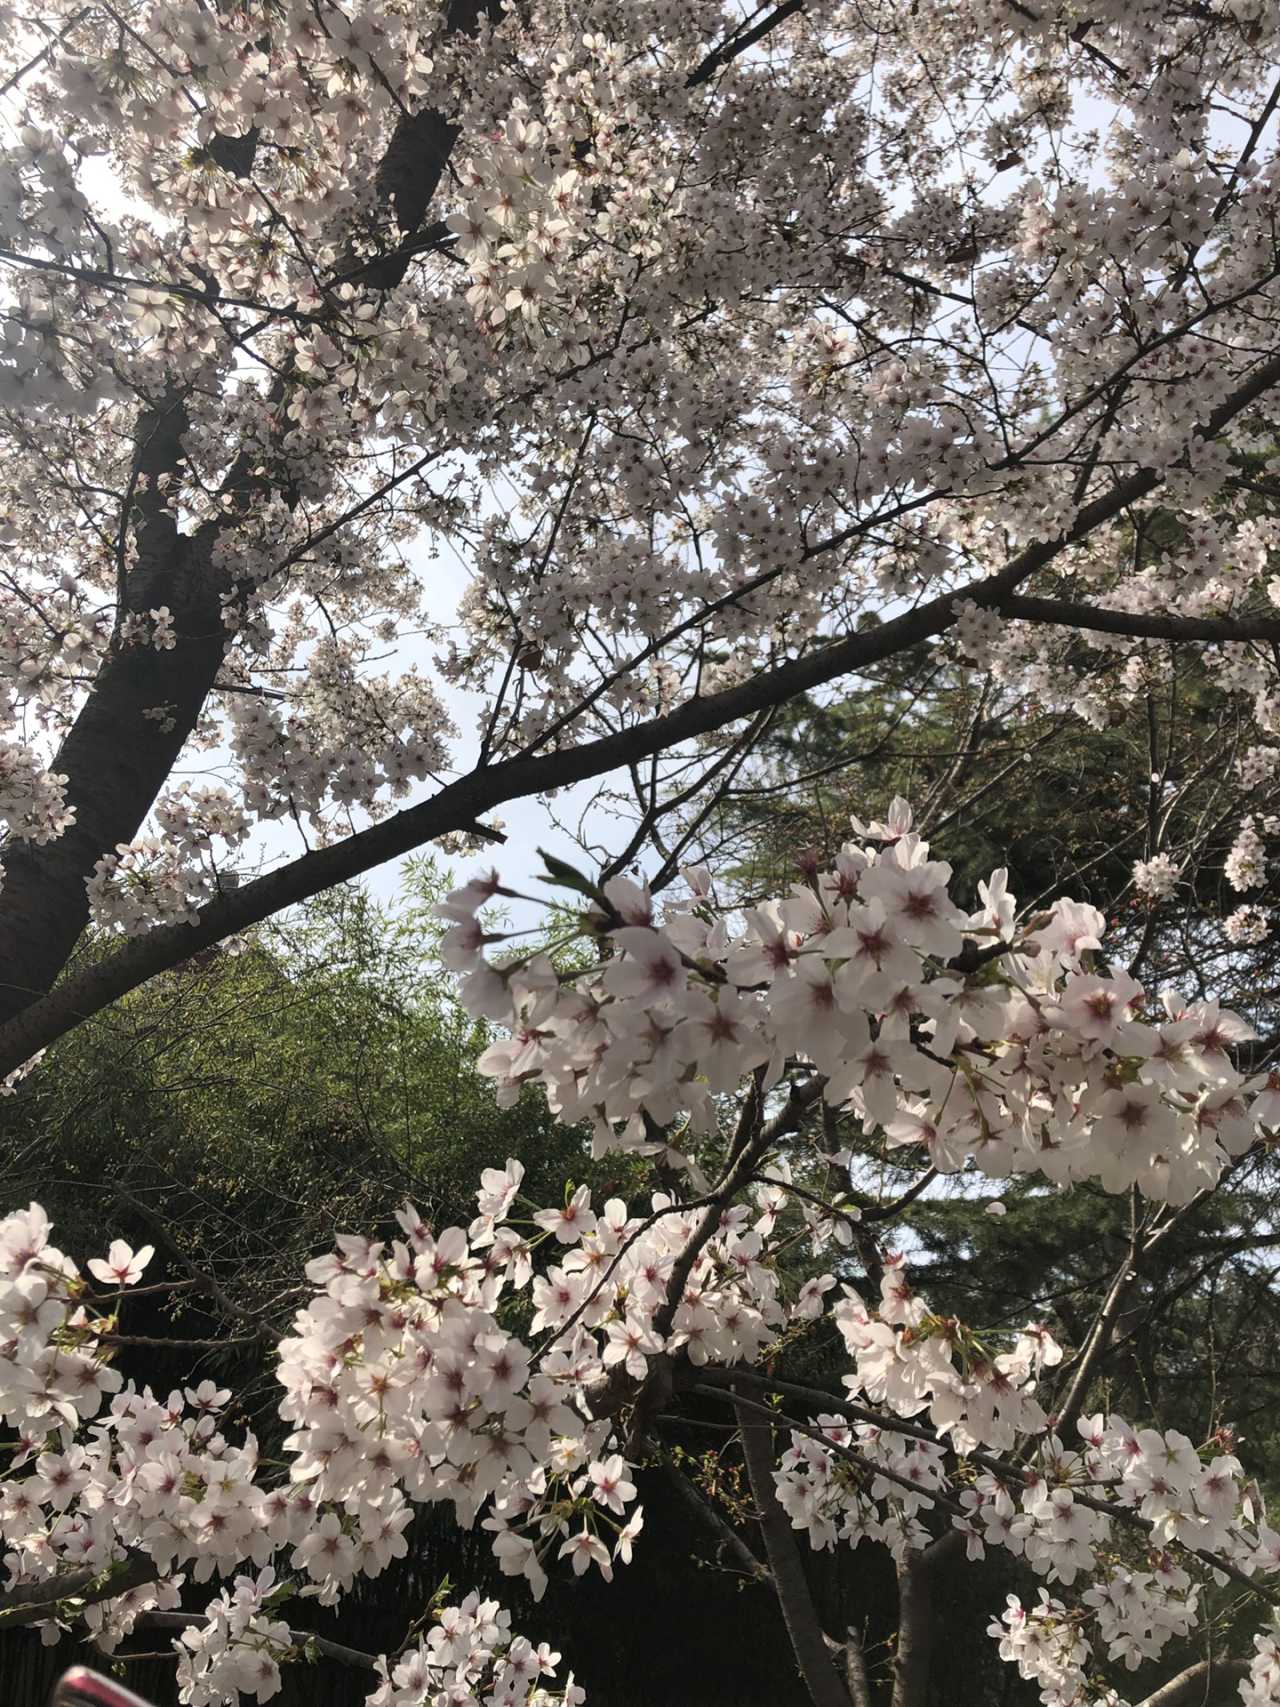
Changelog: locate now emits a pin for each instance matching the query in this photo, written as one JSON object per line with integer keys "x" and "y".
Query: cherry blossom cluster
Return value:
{"x": 148, "y": 628}
{"x": 237, "y": 1650}
{"x": 32, "y": 799}
{"x": 160, "y": 1480}
{"x": 147, "y": 882}
{"x": 165, "y": 879}
{"x": 1262, "y": 1686}
{"x": 470, "y": 1653}
{"x": 404, "y": 1342}
{"x": 873, "y": 1494}
{"x": 356, "y": 740}
{"x": 1245, "y": 865}
{"x": 535, "y": 201}
{"x": 1065, "y": 1511}
{"x": 969, "y": 1035}
{"x": 1045, "y": 1644}
{"x": 908, "y": 1362}
{"x": 1048, "y": 1644}
{"x": 1248, "y": 925}
{"x": 1156, "y": 877}
{"x": 401, "y": 1385}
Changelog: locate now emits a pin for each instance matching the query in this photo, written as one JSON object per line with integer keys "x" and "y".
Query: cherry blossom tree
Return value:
{"x": 729, "y": 353}
{"x": 697, "y": 340}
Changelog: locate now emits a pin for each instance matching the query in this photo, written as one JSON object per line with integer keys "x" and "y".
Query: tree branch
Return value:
{"x": 913, "y": 1659}
{"x": 1193, "y": 1687}
{"x": 411, "y": 168}
{"x": 719, "y": 1526}
{"x": 461, "y": 803}
{"x": 32, "y": 1603}
{"x": 1137, "y": 625}
{"x": 730, "y": 50}
{"x": 118, "y": 753}
{"x": 807, "y": 1640}
{"x": 300, "y": 1638}
{"x": 855, "y": 1669}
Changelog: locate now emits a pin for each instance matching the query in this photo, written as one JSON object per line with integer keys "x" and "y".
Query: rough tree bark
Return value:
{"x": 913, "y": 1659}
{"x": 807, "y": 1640}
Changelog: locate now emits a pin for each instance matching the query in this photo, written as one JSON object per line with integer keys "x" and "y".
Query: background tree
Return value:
{"x": 244, "y": 1108}
{"x": 1066, "y": 807}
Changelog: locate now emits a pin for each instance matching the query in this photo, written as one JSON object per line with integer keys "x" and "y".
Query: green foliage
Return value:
{"x": 241, "y": 1110}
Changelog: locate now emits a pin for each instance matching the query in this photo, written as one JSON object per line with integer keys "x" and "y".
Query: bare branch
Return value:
{"x": 807, "y": 1641}
{"x": 1194, "y": 1686}
{"x": 720, "y": 1527}
{"x": 32, "y": 1603}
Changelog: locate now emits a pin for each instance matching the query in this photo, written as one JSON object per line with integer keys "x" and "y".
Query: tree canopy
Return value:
{"x": 728, "y": 354}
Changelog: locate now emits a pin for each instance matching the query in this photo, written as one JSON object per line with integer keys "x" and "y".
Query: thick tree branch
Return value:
{"x": 807, "y": 1640}
{"x": 462, "y": 802}
{"x": 1137, "y": 625}
{"x": 855, "y": 1669}
{"x": 730, "y": 50}
{"x": 416, "y": 156}
{"x": 913, "y": 1657}
{"x": 32, "y": 1603}
{"x": 145, "y": 702}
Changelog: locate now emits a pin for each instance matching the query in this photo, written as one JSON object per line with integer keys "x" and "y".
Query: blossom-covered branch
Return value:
{"x": 403, "y": 1382}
